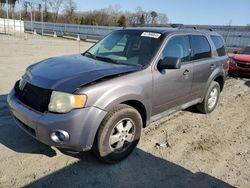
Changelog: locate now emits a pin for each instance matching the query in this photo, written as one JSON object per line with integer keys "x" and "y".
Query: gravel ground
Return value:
{"x": 186, "y": 149}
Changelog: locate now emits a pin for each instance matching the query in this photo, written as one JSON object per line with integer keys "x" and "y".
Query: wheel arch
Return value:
{"x": 140, "y": 108}
{"x": 221, "y": 81}
{"x": 217, "y": 76}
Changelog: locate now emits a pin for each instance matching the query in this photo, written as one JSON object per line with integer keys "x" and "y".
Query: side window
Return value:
{"x": 219, "y": 44}
{"x": 178, "y": 47}
{"x": 200, "y": 47}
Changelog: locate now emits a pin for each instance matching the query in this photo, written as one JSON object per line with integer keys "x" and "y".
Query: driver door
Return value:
{"x": 172, "y": 87}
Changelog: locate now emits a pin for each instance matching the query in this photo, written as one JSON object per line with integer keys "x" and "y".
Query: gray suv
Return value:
{"x": 102, "y": 99}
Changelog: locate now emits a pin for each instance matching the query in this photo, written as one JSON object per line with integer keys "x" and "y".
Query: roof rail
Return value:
{"x": 179, "y": 26}
{"x": 209, "y": 29}
{"x": 182, "y": 26}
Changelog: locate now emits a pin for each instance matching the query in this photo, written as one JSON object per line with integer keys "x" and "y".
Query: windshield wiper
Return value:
{"x": 137, "y": 64}
{"x": 106, "y": 59}
{"x": 89, "y": 53}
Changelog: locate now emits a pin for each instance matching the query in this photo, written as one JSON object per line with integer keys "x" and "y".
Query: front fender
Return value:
{"x": 117, "y": 95}
{"x": 129, "y": 97}
{"x": 131, "y": 87}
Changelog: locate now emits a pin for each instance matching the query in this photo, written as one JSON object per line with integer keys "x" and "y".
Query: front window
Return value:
{"x": 135, "y": 48}
{"x": 178, "y": 47}
{"x": 246, "y": 50}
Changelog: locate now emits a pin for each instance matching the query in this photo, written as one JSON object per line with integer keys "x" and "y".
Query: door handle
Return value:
{"x": 186, "y": 72}
{"x": 212, "y": 66}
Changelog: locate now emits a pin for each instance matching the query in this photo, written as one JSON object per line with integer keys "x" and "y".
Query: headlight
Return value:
{"x": 232, "y": 61}
{"x": 64, "y": 102}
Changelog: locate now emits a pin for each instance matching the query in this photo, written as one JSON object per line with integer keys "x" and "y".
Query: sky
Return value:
{"x": 211, "y": 12}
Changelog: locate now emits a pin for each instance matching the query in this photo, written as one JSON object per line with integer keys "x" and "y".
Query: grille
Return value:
{"x": 35, "y": 97}
{"x": 243, "y": 64}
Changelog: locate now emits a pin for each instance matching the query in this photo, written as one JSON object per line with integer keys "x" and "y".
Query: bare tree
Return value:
{"x": 25, "y": 11}
{"x": 142, "y": 19}
{"x": 139, "y": 16}
{"x": 111, "y": 16}
{"x": 11, "y": 5}
{"x": 55, "y": 6}
{"x": 162, "y": 19}
{"x": 46, "y": 13}
{"x": 70, "y": 8}
{"x": 2, "y": 4}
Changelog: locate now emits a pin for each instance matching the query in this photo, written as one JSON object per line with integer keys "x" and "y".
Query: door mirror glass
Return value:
{"x": 169, "y": 63}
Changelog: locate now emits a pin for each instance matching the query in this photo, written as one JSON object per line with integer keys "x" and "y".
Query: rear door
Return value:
{"x": 171, "y": 87}
{"x": 201, "y": 56}
{"x": 221, "y": 56}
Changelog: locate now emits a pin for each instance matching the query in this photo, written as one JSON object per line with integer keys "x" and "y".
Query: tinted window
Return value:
{"x": 219, "y": 44}
{"x": 246, "y": 50}
{"x": 178, "y": 47}
{"x": 200, "y": 47}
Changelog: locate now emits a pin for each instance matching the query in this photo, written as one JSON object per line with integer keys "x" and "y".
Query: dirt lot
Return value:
{"x": 187, "y": 149}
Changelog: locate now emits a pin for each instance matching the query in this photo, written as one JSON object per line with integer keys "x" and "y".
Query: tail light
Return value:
{"x": 228, "y": 64}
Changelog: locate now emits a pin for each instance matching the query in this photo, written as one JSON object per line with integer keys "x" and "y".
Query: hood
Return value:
{"x": 68, "y": 73}
{"x": 242, "y": 57}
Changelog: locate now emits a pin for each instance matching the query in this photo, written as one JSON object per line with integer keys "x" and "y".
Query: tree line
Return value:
{"x": 65, "y": 11}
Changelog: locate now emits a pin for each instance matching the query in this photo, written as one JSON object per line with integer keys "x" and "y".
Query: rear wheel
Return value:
{"x": 118, "y": 135}
{"x": 211, "y": 99}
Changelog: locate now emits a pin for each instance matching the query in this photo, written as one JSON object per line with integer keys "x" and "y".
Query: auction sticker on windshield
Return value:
{"x": 151, "y": 34}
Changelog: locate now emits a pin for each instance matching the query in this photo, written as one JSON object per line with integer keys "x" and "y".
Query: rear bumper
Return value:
{"x": 80, "y": 124}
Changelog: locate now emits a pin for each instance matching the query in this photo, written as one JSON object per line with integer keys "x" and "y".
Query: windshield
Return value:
{"x": 127, "y": 47}
{"x": 246, "y": 50}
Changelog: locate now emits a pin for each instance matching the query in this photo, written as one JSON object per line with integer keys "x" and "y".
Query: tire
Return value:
{"x": 208, "y": 105}
{"x": 116, "y": 126}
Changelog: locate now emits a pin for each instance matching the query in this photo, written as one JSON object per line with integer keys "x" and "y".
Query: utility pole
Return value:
{"x": 31, "y": 15}
{"x": 20, "y": 15}
{"x": 7, "y": 1}
{"x": 228, "y": 31}
{"x": 42, "y": 16}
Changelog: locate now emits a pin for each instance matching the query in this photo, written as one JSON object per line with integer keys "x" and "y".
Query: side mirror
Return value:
{"x": 235, "y": 52}
{"x": 169, "y": 63}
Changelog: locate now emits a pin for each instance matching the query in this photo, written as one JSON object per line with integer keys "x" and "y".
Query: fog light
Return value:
{"x": 59, "y": 136}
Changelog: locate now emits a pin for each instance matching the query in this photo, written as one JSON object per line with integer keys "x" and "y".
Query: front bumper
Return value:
{"x": 80, "y": 124}
{"x": 238, "y": 71}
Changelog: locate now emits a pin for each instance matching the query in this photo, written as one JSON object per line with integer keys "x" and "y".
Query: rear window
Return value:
{"x": 200, "y": 47}
{"x": 219, "y": 44}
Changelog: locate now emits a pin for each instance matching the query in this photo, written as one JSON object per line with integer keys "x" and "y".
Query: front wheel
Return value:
{"x": 211, "y": 99}
{"x": 118, "y": 135}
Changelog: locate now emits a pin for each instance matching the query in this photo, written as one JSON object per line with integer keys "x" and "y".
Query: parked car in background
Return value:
{"x": 102, "y": 99}
{"x": 240, "y": 63}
